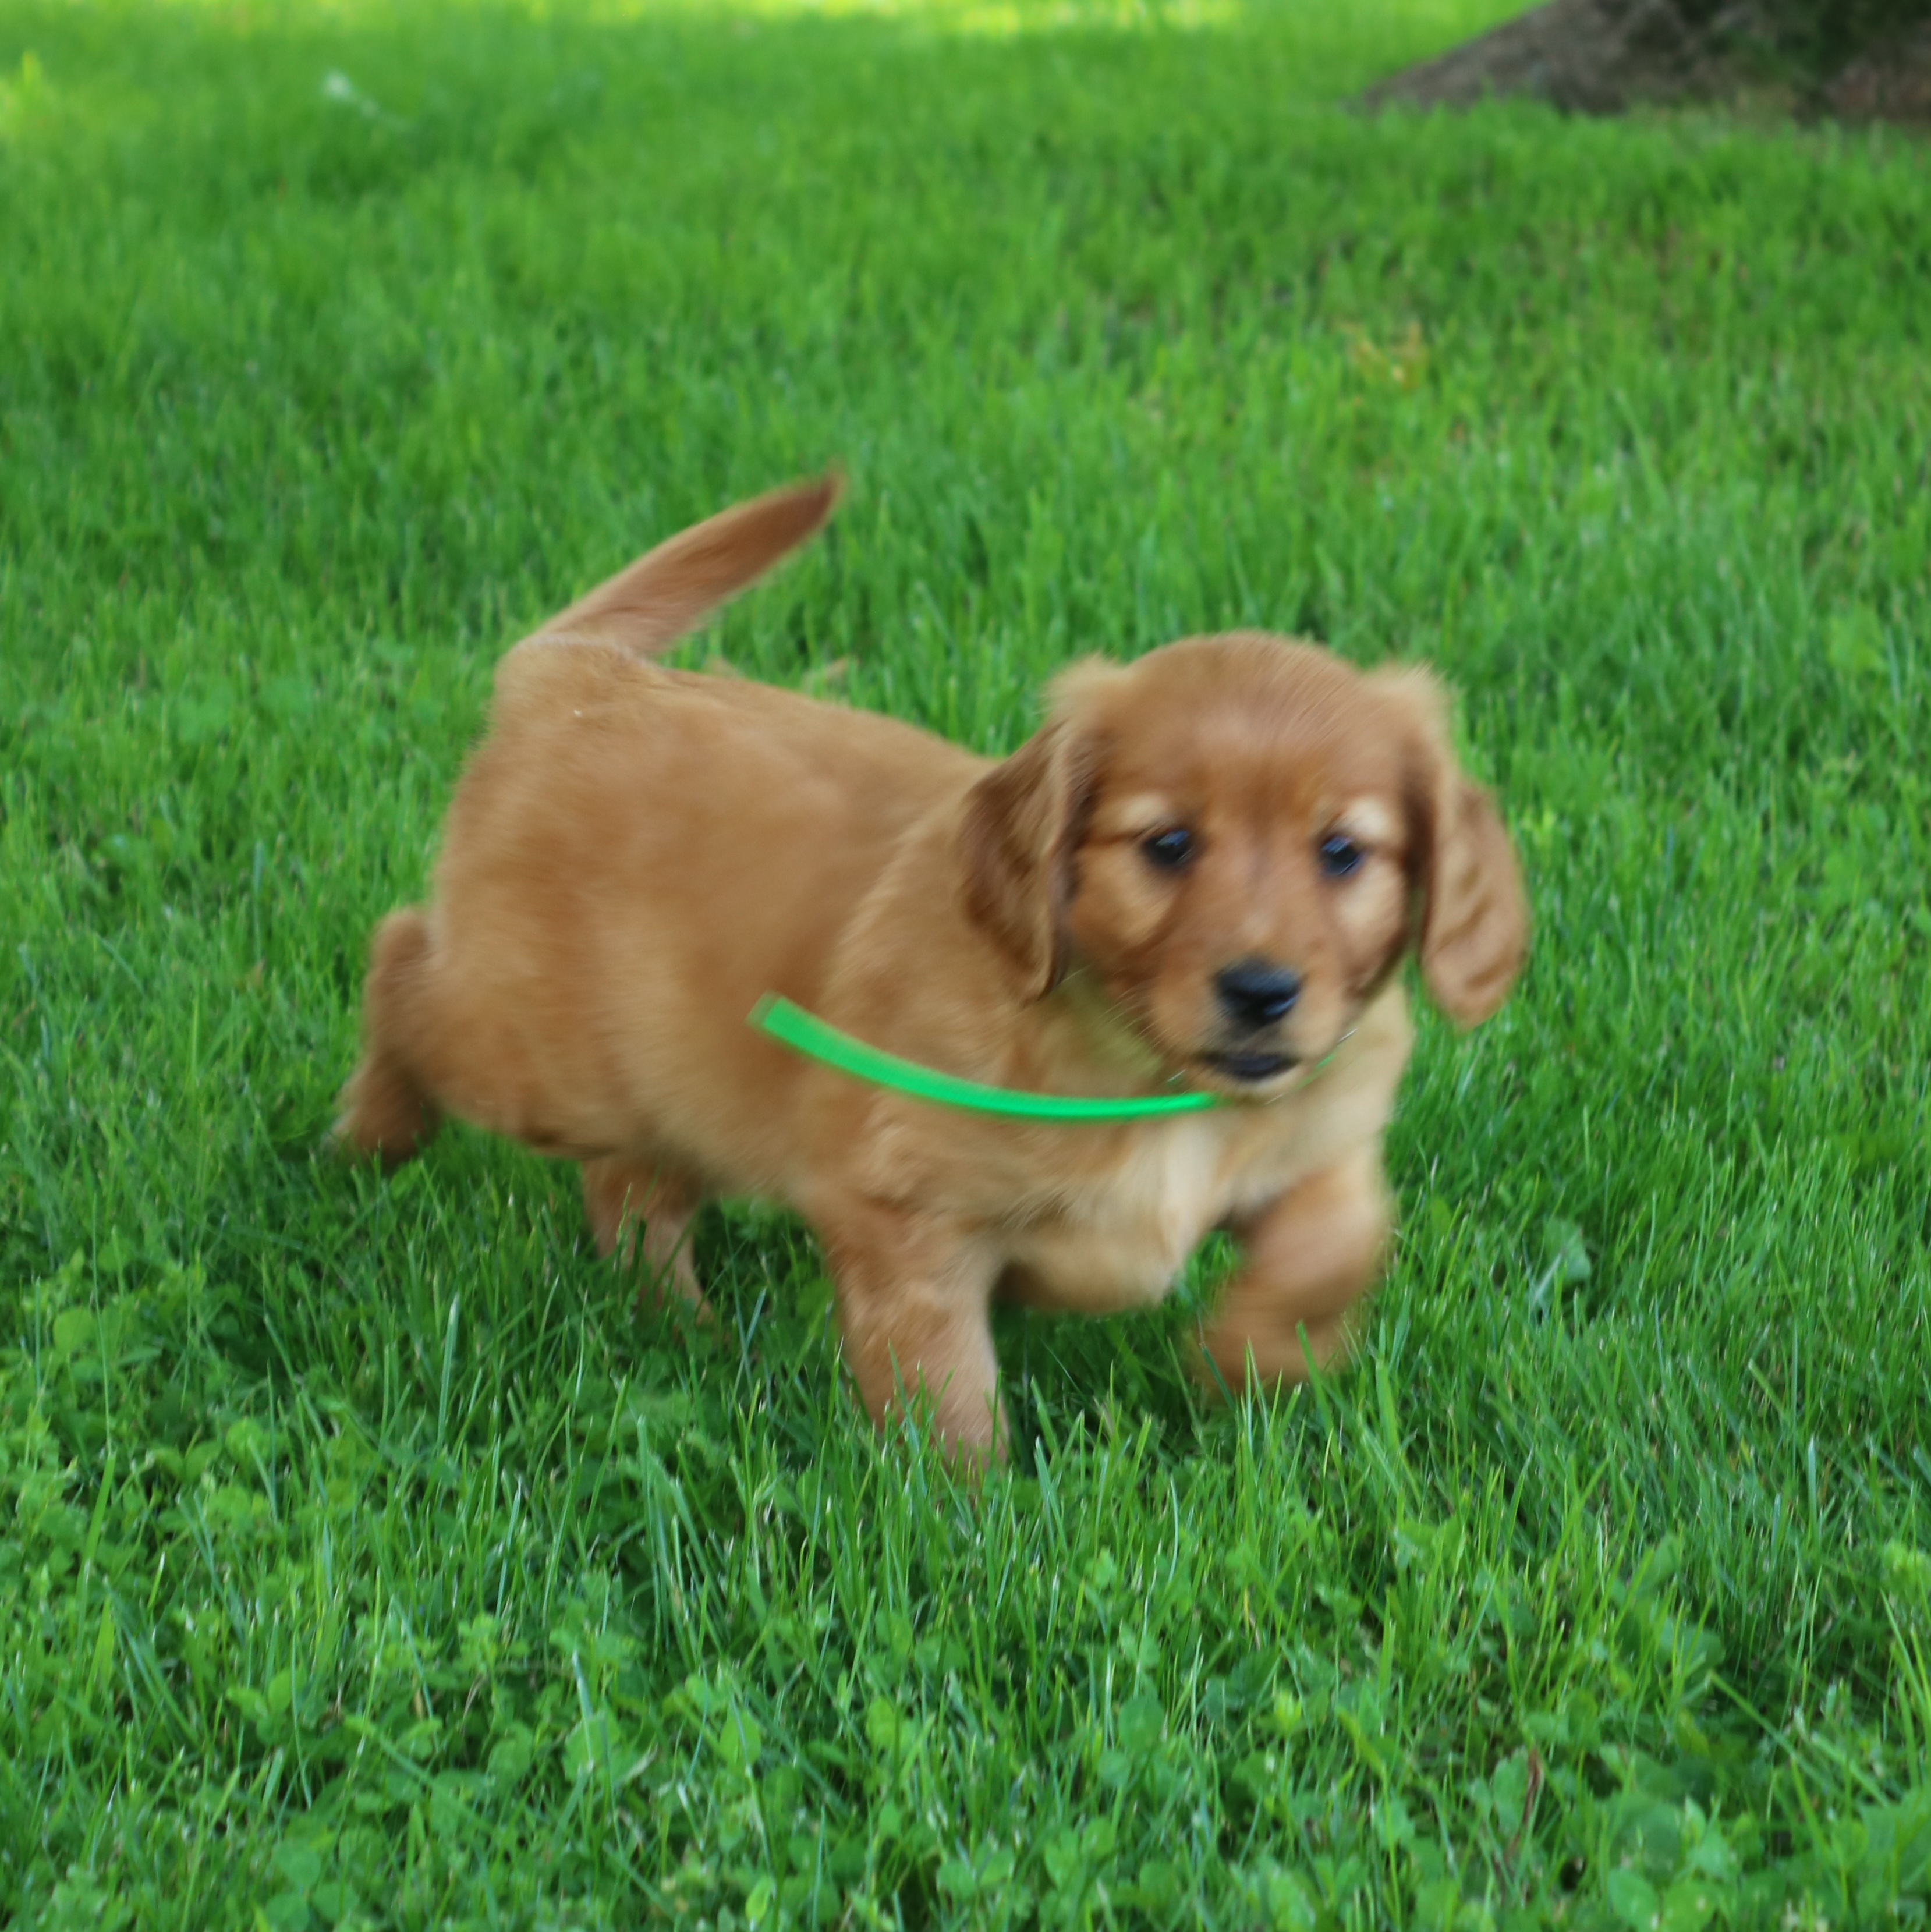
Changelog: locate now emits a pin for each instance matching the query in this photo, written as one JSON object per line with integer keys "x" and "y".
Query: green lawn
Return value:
{"x": 364, "y": 1560}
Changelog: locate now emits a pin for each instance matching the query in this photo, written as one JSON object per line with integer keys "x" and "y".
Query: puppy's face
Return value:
{"x": 1237, "y": 839}
{"x": 1241, "y": 886}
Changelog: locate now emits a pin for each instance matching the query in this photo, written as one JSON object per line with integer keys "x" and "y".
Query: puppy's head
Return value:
{"x": 1239, "y": 839}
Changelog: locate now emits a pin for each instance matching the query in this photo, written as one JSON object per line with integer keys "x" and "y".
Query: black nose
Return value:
{"x": 1257, "y": 993}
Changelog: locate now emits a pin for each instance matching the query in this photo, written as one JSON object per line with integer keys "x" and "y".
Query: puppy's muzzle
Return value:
{"x": 1255, "y": 994}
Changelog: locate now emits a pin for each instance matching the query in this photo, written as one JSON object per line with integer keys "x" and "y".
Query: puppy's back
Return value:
{"x": 634, "y": 857}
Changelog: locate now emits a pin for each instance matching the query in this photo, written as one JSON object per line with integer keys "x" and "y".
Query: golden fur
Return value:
{"x": 635, "y": 854}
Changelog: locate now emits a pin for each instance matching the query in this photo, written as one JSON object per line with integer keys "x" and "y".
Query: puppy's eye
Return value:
{"x": 1170, "y": 850}
{"x": 1340, "y": 856}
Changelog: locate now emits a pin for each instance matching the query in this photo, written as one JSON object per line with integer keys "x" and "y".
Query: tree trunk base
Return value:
{"x": 1608, "y": 56}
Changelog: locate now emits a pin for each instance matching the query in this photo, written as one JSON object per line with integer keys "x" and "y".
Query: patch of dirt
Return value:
{"x": 1607, "y": 56}
{"x": 1890, "y": 83}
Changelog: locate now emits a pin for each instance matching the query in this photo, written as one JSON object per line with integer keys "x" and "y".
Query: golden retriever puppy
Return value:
{"x": 1204, "y": 870}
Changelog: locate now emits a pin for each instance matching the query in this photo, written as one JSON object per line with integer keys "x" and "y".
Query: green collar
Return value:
{"x": 807, "y": 1033}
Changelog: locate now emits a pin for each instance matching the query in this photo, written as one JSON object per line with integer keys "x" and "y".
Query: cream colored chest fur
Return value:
{"x": 1118, "y": 1240}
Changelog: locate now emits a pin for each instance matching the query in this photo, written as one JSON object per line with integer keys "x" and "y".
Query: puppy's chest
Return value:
{"x": 1116, "y": 1238}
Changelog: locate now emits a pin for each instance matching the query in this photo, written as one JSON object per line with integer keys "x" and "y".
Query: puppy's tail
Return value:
{"x": 667, "y": 592}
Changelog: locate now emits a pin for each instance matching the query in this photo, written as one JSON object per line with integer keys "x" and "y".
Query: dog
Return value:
{"x": 1206, "y": 867}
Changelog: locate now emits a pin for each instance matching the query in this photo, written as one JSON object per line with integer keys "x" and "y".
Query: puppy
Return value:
{"x": 1204, "y": 870}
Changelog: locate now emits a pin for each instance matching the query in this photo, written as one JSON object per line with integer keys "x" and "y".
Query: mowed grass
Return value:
{"x": 366, "y": 1560}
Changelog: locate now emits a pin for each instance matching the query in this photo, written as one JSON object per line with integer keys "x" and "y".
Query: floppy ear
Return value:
{"x": 1022, "y": 824}
{"x": 1474, "y": 926}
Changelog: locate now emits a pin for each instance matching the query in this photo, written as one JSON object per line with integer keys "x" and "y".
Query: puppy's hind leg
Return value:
{"x": 385, "y": 1109}
{"x": 621, "y": 1194}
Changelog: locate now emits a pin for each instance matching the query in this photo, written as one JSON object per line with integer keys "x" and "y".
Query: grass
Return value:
{"x": 365, "y": 1560}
